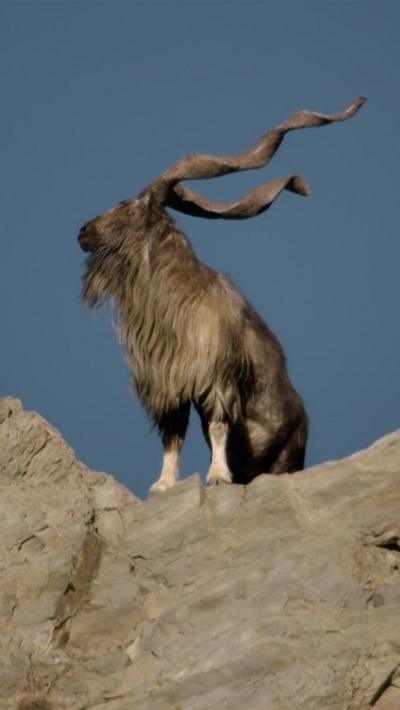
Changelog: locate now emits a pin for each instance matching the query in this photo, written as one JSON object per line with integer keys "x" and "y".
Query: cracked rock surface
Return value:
{"x": 280, "y": 595}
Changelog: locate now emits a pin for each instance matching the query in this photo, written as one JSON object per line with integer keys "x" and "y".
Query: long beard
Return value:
{"x": 104, "y": 274}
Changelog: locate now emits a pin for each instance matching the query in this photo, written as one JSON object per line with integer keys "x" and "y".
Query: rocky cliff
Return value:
{"x": 279, "y": 595}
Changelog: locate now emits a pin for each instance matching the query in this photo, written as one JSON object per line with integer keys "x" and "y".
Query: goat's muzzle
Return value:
{"x": 87, "y": 236}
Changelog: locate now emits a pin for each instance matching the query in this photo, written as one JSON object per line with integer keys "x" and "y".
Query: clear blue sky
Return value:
{"x": 99, "y": 98}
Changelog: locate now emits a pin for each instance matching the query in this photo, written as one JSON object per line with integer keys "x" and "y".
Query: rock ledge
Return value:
{"x": 284, "y": 594}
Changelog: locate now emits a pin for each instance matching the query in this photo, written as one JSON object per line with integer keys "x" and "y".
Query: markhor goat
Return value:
{"x": 189, "y": 335}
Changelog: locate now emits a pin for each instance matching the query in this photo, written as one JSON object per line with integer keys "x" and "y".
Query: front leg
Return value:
{"x": 219, "y": 469}
{"x": 172, "y": 428}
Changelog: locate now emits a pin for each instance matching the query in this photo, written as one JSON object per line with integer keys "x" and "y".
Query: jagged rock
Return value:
{"x": 279, "y": 595}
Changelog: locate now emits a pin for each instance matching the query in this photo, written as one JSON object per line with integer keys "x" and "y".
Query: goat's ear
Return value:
{"x": 197, "y": 166}
{"x": 149, "y": 205}
{"x": 146, "y": 198}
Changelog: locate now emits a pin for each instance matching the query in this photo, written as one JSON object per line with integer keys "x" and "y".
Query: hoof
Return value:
{"x": 218, "y": 474}
{"x": 160, "y": 487}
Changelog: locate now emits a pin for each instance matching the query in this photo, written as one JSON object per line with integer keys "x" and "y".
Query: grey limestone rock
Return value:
{"x": 280, "y": 595}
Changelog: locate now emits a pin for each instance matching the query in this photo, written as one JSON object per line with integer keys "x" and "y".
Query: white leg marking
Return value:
{"x": 219, "y": 470}
{"x": 169, "y": 472}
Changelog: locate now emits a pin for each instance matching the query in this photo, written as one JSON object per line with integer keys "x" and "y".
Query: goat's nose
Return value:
{"x": 85, "y": 237}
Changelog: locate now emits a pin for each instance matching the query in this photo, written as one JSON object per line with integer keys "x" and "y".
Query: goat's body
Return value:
{"x": 190, "y": 337}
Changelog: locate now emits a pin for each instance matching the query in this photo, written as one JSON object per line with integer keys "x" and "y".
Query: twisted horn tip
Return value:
{"x": 298, "y": 186}
{"x": 360, "y": 101}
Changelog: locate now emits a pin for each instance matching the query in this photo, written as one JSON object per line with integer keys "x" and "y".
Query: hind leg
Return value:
{"x": 173, "y": 429}
{"x": 291, "y": 456}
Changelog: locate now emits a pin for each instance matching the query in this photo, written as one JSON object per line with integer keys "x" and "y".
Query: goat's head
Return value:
{"x": 111, "y": 229}
{"x": 136, "y": 216}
